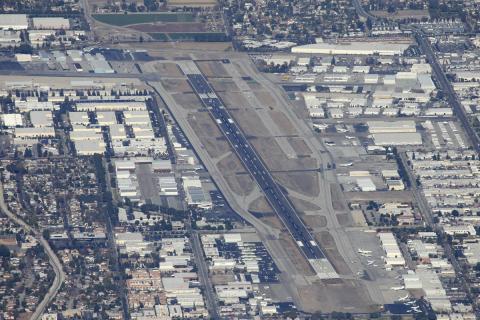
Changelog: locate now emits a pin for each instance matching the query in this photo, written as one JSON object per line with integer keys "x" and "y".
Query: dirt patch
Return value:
{"x": 297, "y": 258}
{"x": 302, "y": 205}
{"x": 271, "y": 220}
{"x": 327, "y": 243}
{"x": 314, "y": 221}
{"x": 276, "y": 160}
{"x": 344, "y": 219}
{"x": 188, "y": 101}
{"x": 283, "y": 123}
{"x": 177, "y": 85}
{"x": 231, "y": 165}
{"x": 305, "y": 183}
{"x": 340, "y": 295}
{"x": 250, "y": 123}
{"x": 221, "y": 85}
{"x": 208, "y": 134}
{"x": 242, "y": 185}
{"x": 336, "y": 195}
{"x": 233, "y": 100}
{"x": 240, "y": 70}
{"x": 254, "y": 85}
{"x": 300, "y": 146}
{"x": 266, "y": 99}
{"x": 213, "y": 69}
{"x": 168, "y": 69}
{"x": 239, "y": 181}
{"x": 260, "y": 205}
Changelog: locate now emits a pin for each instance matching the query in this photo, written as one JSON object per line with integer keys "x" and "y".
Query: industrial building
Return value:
{"x": 54, "y": 23}
{"x": 41, "y": 118}
{"x": 106, "y": 118}
{"x": 78, "y": 118}
{"x": 391, "y": 126}
{"x": 354, "y": 48}
{"x": 9, "y": 38}
{"x": 429, "y": 282}
{"x": 12, "y": 120}
{"x": 40, "y": 132}
{"x": 195, "y": 194}
{"x": 393, "y": 256}
{"x": 397, "y": 139}
{"x": 119, "y": 105}
{"x": 13, "y": 22}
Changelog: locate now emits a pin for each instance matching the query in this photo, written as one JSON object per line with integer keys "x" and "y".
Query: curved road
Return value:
{"x": 54, "y": 262}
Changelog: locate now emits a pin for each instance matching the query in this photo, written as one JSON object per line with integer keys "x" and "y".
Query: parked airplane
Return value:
{"x": 397, "y": 288}
{"x": 404, "y": 298}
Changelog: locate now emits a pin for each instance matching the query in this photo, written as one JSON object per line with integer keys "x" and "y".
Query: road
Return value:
{"x": 427, "y": 215}
{"x": 446, "y": 87}
{"x": 362, "y": 12}
{"x": 54, "y": 262}
{"x": 204, "y": 276}
{"x": 258, "y": 170}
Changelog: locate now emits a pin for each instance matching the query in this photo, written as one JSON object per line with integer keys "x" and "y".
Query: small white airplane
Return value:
{"x": 348, "y": 164}
{"x": 416, "y": 309}
{"x": 397, "y": 288}
{"x": 404, "y": 298}
{"x": 370, "y": 262}
{"x": 360, "y": 250}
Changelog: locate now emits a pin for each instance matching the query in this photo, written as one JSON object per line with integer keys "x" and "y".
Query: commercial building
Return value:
{"x": 9, "y": 38}
{"x": 54, "y": 23}
{"x": 89, "y": 147}
{"x": 106, "y": 118}
{"x": 13, "y": 21}
{"x": 383, "y": 48}
{"x": 168, "y": 186}
{"x": 366, "y": 184}
{"x": 391, "y": 126}
{"x": 195, "y": 193}
{"x": 429, "y": 282}
{"x": 40, "y": 132}
{"x": 110, "y": 105}
{"x": 41, "y": 118}
{"x": 393, "y": 255}
{"x": 78, "y": 118}
{"x": 132, "y": 242}
{"x": 397, "y": 139}
{"x": 12, "y": 119}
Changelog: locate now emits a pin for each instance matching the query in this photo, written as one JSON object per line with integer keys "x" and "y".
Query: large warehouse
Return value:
{"x": 397, "y": 139}
{"x": 391, "y": 126}
{"x": 13, "y": 21}
{"x": 354, "y": 48}
{"x": 52, "y": 23}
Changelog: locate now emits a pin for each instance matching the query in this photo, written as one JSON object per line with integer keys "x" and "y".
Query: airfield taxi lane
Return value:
{"x": 257, "y": 168}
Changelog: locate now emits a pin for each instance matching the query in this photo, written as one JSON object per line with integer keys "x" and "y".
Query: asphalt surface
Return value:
{"x": 54, "y": 262}
{"x": 258, "y": 170}
{"x": 362, "y": 12}
{"x": 204, "y": 276}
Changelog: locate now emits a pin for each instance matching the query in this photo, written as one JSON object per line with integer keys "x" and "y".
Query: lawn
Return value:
{"x": 135, "y": 18}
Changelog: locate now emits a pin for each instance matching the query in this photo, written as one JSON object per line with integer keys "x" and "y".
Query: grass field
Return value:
{"x": 134, "y": 18}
